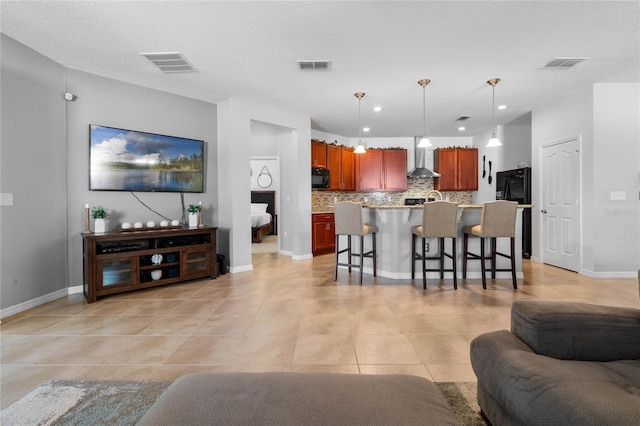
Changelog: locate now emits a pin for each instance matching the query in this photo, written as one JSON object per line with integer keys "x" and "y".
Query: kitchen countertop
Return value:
{"x": 419, "y": 206}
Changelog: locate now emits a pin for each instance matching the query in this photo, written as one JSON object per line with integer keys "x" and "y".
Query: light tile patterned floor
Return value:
{"x": 283, "y": 316}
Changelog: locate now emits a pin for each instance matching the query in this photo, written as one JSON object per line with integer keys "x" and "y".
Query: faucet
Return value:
{"x": 433, "y": 191}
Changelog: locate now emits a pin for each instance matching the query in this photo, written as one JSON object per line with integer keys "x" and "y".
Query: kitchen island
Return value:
{"x": 394, "y": 241}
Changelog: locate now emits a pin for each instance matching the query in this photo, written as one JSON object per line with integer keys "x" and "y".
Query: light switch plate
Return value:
{"x": 618, "y": 195}
{"x": 6, "y": 199}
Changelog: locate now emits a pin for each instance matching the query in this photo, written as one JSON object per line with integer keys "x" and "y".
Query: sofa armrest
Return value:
{"x": 577, "y": 331}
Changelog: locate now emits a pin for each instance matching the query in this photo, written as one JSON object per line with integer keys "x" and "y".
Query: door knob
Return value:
{"x": 544, "y": 211}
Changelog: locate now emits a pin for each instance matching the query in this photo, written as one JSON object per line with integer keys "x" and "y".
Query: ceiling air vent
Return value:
{"x": 170, "y": 62}
{"x": 564, "y": 63}
{"x": 314, "y": 65}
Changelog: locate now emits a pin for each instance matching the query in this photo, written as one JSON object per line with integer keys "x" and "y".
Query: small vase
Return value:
{"x": 156, "y": 274}
{"x": 193, "y": 220}
{"x": 99, "y": 226}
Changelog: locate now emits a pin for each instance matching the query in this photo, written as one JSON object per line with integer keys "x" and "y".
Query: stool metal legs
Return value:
{"x": 350, "y": 255}
{"x": 491, "y": 258}
{"x": 440, "y": 258}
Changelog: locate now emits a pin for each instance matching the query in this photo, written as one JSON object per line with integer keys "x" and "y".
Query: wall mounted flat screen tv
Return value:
{"x": 128, "y": 160}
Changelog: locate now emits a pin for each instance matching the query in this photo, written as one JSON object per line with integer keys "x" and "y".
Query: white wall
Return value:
{"x": 516, "y": 143}
{"x": 558, "y": 122}
{"x": 605, "y": 117}
{"x": 45, "y": 165}
{"x": 616, "y": 149}
{"x": 117, "y": 104}
{"x": 234, "y": 153}
{"x": 33, "y": 165}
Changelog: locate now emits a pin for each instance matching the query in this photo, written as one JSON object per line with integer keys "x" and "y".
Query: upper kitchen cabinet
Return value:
{"x": 341, "y": 165}
{"x": 395, "y": 169}
{"x": 458, "y": 168}
{"x": 381, "y": 170}
{"x": 318, "y": 154}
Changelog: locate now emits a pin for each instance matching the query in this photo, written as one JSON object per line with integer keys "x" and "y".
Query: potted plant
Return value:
{"x": 99, "y": 214}
{"x": 193, "y": 210}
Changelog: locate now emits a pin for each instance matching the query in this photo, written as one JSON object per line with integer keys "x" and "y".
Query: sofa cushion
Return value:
{"x": 578, "y": 331}
{"x": 517, "y": 386}
{"x": 300, "y": 399}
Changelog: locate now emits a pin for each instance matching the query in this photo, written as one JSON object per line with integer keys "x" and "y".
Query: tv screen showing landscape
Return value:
{"x": 128, "y": 160}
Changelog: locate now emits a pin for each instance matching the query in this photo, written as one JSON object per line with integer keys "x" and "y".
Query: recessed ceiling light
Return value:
{"x": 462, "y": 128}
{"x": 502, "y": 107}
{"x": 365, "y": 129}
{"x": 377, "y": 108}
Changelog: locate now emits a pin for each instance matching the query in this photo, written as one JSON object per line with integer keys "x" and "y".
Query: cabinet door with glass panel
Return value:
{"x": 117, "y": 271}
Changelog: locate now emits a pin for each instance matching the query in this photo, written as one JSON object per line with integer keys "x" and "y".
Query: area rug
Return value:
{"x": 81, "y": 403}
{"x": 462, "y": 398}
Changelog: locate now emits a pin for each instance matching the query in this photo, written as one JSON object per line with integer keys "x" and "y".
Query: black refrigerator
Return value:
{"x": 515, "y": 185}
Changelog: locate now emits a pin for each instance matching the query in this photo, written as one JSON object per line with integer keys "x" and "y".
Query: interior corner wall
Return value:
{"x": 33, "y": 169}
{"x": 234, "y": 134}
{"x": 616, "y": 175}
{"x": 122, "y": 105}
{"x": 568, "y": 119}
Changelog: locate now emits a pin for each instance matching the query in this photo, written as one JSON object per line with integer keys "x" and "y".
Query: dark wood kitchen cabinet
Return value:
{"x": 318, "y": 154}
{"x": 341, "y": 165}
{"x": 458, "y": 168}
{"x": 323, "y": 233}
{"x": 382, "y": 170}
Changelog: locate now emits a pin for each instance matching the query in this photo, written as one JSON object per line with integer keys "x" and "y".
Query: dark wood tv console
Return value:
{"x": 116, "y": 262}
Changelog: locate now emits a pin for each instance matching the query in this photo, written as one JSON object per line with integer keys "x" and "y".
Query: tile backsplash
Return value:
{"x": 322, "y": 201}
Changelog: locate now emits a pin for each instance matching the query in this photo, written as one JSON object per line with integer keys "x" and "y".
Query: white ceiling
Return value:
{"x": 383, "y": 48}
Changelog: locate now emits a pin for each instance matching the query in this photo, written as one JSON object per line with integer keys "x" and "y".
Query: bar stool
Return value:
{"x": 439, "y": 220}
{"x": 498, "y": 221}
{"x": 348, "y": 221}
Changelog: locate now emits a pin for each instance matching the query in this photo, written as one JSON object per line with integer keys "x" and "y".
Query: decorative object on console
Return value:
{"x": 193, "y": 210}
{"x": 494, "y": 141}
{"x": 87, "y": 227}
{"x": 99, "y": 215}
{"x": 151, "y": 224}
{"x": 156, "y": 274}
{"x": 360, "y": 148}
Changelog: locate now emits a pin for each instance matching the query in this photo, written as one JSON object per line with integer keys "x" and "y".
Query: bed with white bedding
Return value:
{"x": 263, "y": 217}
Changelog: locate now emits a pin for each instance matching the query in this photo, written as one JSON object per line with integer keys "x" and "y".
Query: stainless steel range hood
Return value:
{"x": 420, "y": 155}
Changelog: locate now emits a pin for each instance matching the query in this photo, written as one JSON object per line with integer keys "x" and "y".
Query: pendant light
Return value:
{"x": 360, "y": 149}
{"x": 424, "y": 141}
{"x": 494, "y": 141}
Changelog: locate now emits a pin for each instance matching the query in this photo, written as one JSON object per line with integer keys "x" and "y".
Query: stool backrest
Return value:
{"x": 440, "y": 219}
{"x": 499, "y": 218}
{"x": 348, "y": 218}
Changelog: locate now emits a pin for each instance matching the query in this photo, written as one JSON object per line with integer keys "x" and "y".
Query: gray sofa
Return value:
{"x": 298, "y": 399}
{"x": 562, "y": 363}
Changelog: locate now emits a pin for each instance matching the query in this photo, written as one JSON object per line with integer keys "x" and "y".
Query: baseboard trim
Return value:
{"x": 609, "y": 274}
{"x": 21, "y": 307}
{"x": 433, "y": 275}
{"x": 243, "y": 268}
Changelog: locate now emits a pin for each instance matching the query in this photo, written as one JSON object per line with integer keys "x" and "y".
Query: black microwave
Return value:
{"x": 319, "y": 178}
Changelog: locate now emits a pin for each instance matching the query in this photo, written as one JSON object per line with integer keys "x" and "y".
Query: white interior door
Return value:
{"x": 560, "y": 204}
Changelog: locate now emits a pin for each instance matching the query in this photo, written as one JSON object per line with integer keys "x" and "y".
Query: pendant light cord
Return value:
{"x": 424, "y": 113}
{"x": 359, "y": 121}
{"x": 493, "y": 109}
